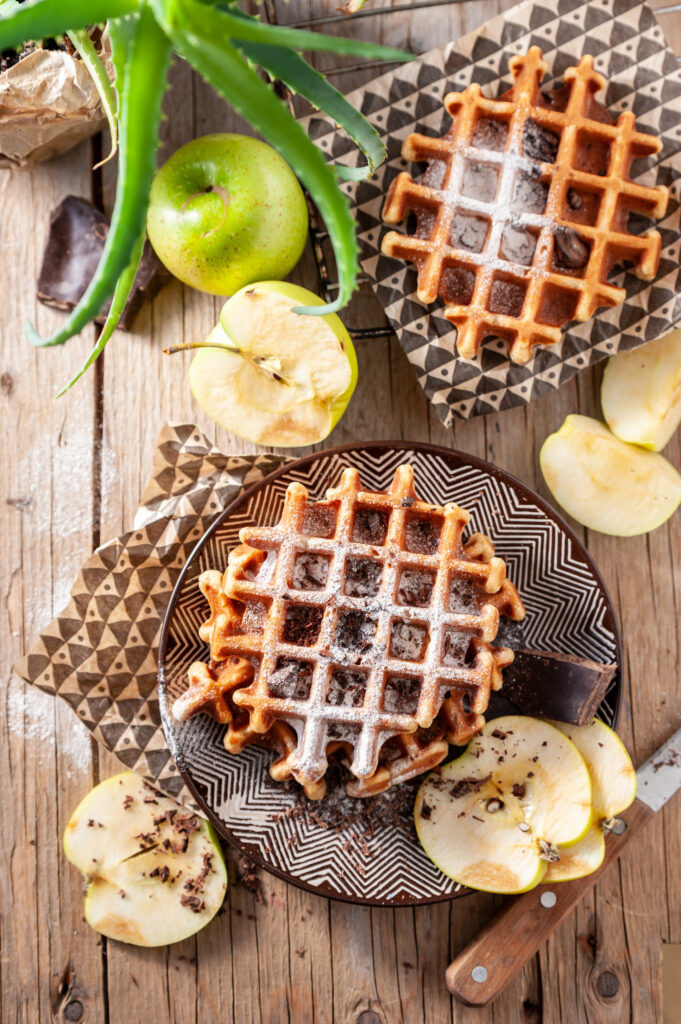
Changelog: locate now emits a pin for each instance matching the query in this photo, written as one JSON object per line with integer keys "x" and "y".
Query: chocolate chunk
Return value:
{"x": 570, "y": 251}
{"x": 490, "y": 134}
{"x": 302, "y": 624}
{"x": 75, "y": 242}
{"x": 574, "y": 199}
{"x": 539, "y": 143}
{"x": 529, "y": 193}
{"x": 553, "y": 685}
{"x": 517, "y": 244}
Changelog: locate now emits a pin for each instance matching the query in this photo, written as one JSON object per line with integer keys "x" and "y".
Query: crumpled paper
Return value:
{"x": 48, "y": 103}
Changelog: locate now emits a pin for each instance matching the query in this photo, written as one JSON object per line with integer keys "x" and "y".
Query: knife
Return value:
{"x": 513, "y": 936}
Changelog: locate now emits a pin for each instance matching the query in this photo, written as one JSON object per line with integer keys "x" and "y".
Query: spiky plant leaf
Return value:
{"x": 144, "y": 83}
{"x": 93, "y": 62}
{"x": 42, "y": 19}
{"x": 222, "y": 25}
{"x": 290, "y": 68}
{"x": 120, "y": 297}
{"x": 223, "y": 68}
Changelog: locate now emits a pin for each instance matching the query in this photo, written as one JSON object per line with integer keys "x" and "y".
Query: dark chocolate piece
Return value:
{"x": 570, "y": 251}
{"x": 559, "y": 686}
{"x": 74, "y": 246}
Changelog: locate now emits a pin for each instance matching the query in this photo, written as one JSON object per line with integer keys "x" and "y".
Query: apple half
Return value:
{"x": 613, "y": 788}
{"x": 494, "y": 817}
{"x": 641, "y": 392}
{"x": 155, "y": 872}
{"x": 606, "y": 484}
{"x": 271, "y": 375}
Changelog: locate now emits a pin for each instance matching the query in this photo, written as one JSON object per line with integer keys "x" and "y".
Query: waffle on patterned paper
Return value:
{"x": 523, "y": 211}
{"x": 365, "y": 619}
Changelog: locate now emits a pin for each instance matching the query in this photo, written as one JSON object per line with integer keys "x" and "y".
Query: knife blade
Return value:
{"x": 518, "y": 931}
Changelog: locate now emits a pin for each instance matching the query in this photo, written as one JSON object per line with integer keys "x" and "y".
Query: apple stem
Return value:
{"x": 198, "y": 344}
{"x": 259, "y": 362}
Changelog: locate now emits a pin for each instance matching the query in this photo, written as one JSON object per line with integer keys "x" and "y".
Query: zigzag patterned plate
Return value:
{"x": 367, "y": 851}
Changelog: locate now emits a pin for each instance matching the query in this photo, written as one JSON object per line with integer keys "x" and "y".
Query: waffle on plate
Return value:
{"x": 359, "y": 626}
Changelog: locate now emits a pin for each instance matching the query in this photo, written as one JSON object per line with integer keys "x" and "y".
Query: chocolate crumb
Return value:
{"x": 127, "y": 802}
{"x": 192, "y": 902}
{"x": 499, "y": 734}
{"x": 426, "y": 811}
{"x": 518, "y": 790}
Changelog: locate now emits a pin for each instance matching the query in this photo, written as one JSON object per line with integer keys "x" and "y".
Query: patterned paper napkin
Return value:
{"x": 100, "y": 655}
{"x": 629, "y": 50}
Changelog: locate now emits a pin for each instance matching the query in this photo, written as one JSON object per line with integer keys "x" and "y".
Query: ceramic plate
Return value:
{"x": 367, "y": 851}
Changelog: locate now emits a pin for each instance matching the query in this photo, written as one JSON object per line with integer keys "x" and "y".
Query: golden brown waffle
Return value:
{"x": 404, "y": 757}
{"x": 224, "y": 617}
{"x": 523, "y": 210}
{"x": 210, "y": 687}
{"x": 279, "y": 738}
{"x": 357, "y": 594}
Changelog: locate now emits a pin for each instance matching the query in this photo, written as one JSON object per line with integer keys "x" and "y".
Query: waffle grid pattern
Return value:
{"x": 365, "y": 727}
{"x": 526, "y": 304}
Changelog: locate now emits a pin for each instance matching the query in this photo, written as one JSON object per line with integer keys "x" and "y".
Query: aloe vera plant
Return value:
{"x": 226, "y": 46}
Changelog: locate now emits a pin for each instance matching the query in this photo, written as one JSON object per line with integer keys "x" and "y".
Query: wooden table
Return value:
{"x": 73, "y": 471}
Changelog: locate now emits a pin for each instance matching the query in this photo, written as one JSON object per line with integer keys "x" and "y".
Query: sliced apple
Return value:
{"x": 493, "y": 818}
{"x": 155, "y": 872}
{"x": 606, "y": 484}
{"x": 613, "y": 788}
{"x": 641, "y": 392}
{"x": 271, "y": 375}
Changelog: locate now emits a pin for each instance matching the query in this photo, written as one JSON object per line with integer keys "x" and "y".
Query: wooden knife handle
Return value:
{"x": 522, "y": 926}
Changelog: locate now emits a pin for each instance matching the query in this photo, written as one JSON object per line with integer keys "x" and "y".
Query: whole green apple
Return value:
{"x": 226, "y": 210}
{"x": 271, "y": 375}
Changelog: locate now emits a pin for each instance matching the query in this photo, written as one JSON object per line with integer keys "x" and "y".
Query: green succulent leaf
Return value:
{"x": 290, "y": 68}
{"x": 223, "y": 68}
{"x": 146, "y": 66}
{"x": 42, "y": 19}
{"x": 221, "y": 25}
{"x": 93, "y": 62}
{"x": 120, "y": 297}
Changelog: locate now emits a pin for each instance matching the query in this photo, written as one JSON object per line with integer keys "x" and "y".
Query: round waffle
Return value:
{"x": 523, "y": 210}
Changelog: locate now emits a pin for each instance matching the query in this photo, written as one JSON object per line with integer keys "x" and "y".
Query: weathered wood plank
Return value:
{"x": 49, "y": 956}
{"x": 293, "y": 957}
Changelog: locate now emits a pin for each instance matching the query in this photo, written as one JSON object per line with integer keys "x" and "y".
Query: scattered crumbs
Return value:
{"x": 127, "y": 803}
{"x": 192, "y": 902}
{"x": 247, "y": 876}
{"x": 407, "y": 966}
{"x": 121, "y": 893}
{"x": 500, "y": 734}
{"x": 477, "y": 818}
{"x": 426, "y": 811}
{"x": 160, "y": 872}
{"x": 530, "y": 775}
{"x": 301, "y": 953}
{"x": 518, "y": 790}
{"x": 133, "y": 980}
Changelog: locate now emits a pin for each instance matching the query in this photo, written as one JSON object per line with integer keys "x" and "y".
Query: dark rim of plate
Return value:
{"x": 462, "y": 458}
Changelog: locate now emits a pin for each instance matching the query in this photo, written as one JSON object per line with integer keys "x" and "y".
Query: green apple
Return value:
{"x": 155, "y": 872}
{"x": 271, "y": 375}
{"x": 494, "y": 817}
{"x": 613, "y": 788}
{"x": 606, "y": 484}
{"x": 226, "y": 210}
{"x": 641, "y": 392}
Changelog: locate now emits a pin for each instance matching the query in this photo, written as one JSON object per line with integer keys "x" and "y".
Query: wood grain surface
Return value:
{"x": 72, "y": 473}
